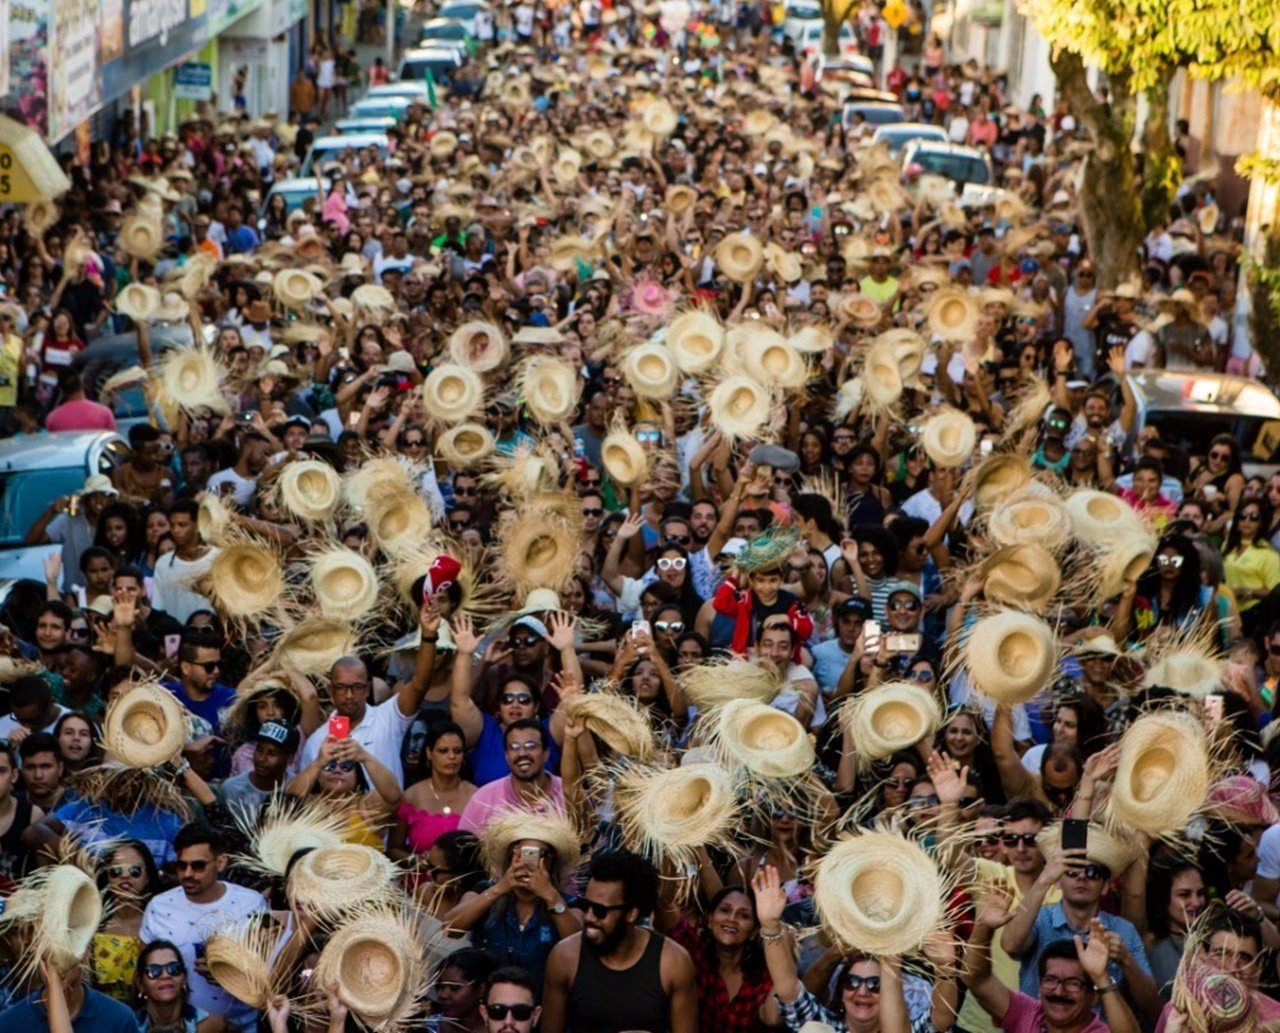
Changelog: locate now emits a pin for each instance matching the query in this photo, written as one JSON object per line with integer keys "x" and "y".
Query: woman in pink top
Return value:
{"x": 432, "y": 807}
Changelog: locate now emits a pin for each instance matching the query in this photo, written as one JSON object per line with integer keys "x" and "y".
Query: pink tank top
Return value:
{"x": 424, "y": 827}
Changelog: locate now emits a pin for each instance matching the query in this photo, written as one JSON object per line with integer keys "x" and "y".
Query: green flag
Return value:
{"x": 431, "y": 89}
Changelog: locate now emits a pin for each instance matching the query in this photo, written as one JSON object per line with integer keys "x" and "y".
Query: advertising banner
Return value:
{"x": 75, "y": 79}
{"x": 193, "y": 82}
{"x": 28, "y": 100}
{"x": 156, "y": 34}
{"x": 4, "y": 47}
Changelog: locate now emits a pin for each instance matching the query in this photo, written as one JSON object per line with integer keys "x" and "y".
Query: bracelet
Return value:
{"x": 182, "y": 769}
{"x": 1105, "y": 989}
{"x": 773, "y": 937}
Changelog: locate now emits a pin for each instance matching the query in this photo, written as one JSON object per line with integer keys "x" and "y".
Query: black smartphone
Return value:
{"x": 1075, "y": 834}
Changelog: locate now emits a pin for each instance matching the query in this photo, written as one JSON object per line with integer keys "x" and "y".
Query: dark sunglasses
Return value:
{"x": 420, "y": 443}
{"x": 905, "y": 604}
{"x": 519, "y": 1012}
{"x": 592, "y": 511}
{"x": 1215, "y": 454}
{"x": 675, "y": 627}
{"x": 599, "y": 910}
{"x": 169, "y": 968}
{"x": 523, "y": 698}
{"x": 675, "y": 539}
{"x": 195, "y": 866}
{"x": 117, "y": 870}
{"x": 525, "y": 641}
{"x": 921, "y": 676}
{"x": 919, "y": 803}
{"x": 856, "y": 982}
{"x": 208, "y": 666}
{"x": 344, "y": 766}
{"x": 465, "y": 491}
{"x": 1092, "y": 872}
{"x": 1011, "y": 839}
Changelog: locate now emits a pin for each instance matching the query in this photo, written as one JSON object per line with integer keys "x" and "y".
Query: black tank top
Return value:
{"x": 13, "y": 856}
{"x": 604, "y": 1001}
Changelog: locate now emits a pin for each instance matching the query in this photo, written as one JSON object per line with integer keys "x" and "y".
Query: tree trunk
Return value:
{"x": 1109, "y": 202}
{"x": 831, "y": 21}
{"x": 1161, "y": 166}
{"x": 1264, "y": 302}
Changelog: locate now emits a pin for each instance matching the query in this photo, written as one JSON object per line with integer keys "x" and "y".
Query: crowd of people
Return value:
{"x": 633, "y": 557}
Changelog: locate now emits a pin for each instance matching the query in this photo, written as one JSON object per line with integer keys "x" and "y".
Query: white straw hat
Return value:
{"x": 145, "y": 727}
{"x": 58, "y": 909}
{"x": 739, "y": 407}
{"x": 478, "y": 345}
{"x": 999, "y": 476}
{"x": 314, "y": 645}
{"x": 465, "y": 445}
{"x": 669, "y": 815}
{"x": 891, "y": 717}
{"x": 623, "y": 457}
{"x": 651, "y": 371}
{"x": 1030, "y": 519}
{"x": 452, "y": 393}
{"x": 767, "y": 742}
{"x": 695, "y": 339}
{"x": 1010, "y": 656}
{"x": 376, "y": 964}
{"x": 1163, "y": 776}
{"x": 344, "y": 583}
{"x": 310, "y": 490}
{"x": 948, "y": 437}
{"x": 717, "y": 681}
{"x": 296, "y": 288}
{"x": 398, "y": 520}
{"x": 331, "y": 881}
{"x": 246, "y": 578}
{"x": 139, "y": 302}
{"x": 549, "y": 388}
{"x": 740, "y": 256}
{"x": 1025, "y": 576}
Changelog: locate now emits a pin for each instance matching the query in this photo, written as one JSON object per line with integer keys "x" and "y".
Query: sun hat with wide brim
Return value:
{"x": 372, "y": 298}
{"x": 1207, "y": 218}
{"x": 785, "y": 265}
{"x": 1026, "y": 576}
{"x": 880, "y": 893}
{"x": 739, "y": 406}
{"x": 669, "y": 815}
{"x": 891, "y": 717}
{"x": 343, "y": 583}
{"x": 550, "y": 826}
{"x": 246, "y": 579}
{"x": 378, "y": 476}
{"x": 1098, "y": 517}
{"x": 443, "y": 144}
{"x": 714, "y": 682}
{"x": 310, "y": 490}
{"x": 999, "y": 476}
{"x": 479, "y": 346}
{"x": 659, "y": 118}
{"x": 1032, "y": 519}
{"x": 1102, "y": 846}
{"x": 769, "y": 359}
{"x": 1163, "y": 776}
{"x": 680, "y": 198}
{"x": 599, "y": 144}
{"x": 623, "y": 457}
{"x": 59, "y": 909}
{"x": 193, "y": 379}
{"x": 617, "y": 720}
{"x": 314, "y": 645}
{"x": 376, "y": 965}
{"x": 566, "y": 166}
{"x": 949, "y": 437}
{"x": 332, "y": 881}
{"x": 540, "y": 549}
{"x": 1124, "y": 558}
{"x": 549, "y": 388}
{"x": 651, "y": 371}
{"x": 767, "y": 742}
{"x": 1011, "y": 656}
{"x": 212, "y": 519}
{"x": 452, "y": 393}
{"x": 286, "y": 825}
{"x": 295, "y": 288}
{"x": 465, "y": 445}
{"x": 139, "y": 302}
{"x": 881, "y": 377}
{"x": 239, "y": 959}
{"x": 174, "y": 308}
{"x": 695, "y": 339}
{"x": 813, "y": 339}
{"x": 567, "y": 252}
{"x": 952, "y": 314}
{"x": 145, "y": 727}
{"x": 1191, "y": 672}
{"x": 141, "y": 236}
{"x": 740, "y": 256}
{"x": 859, "y": 309}
{"x": 398, "y": 519}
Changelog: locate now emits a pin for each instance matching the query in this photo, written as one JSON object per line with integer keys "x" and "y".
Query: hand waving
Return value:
{"x": 771, "y": 899}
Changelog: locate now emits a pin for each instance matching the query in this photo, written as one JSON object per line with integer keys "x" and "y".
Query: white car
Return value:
{"x": 809, "y": 39}
{"x": 798, "y": 16}
{"x": 898, "y": 135}
{"x": 463, "y": 11}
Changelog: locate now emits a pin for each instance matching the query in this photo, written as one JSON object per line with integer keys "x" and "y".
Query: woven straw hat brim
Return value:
{"x": 651, "y": 371}
{"x": 673, "y": 813}
{"x": 310, "y": 490}
{"x": 659, "y": 118}
{"x": 212, "y": 519}
{"x": 315, "y": 644}
{"x": 240, "y": 959}
{"x": 141, "y": 237}
{"x": 452, "y": 393}
{"x": 344, "y": 584}
{"x": 376, "y": 965}
{"x": 465, "y": 445}
{"x": 711, "y": 683}
{"x": 739, "y": 406}
{"x": 695, "y": 340}
{"x": 1024, "y": 575}
{"x": 334, "y": 880}
{"x": 769, "y": 742}
{"x": 1011, "y": 656}
{"x": 949, "y": 438}
{"x": 139, "y": 302}
{"x": 812, "y": 340}
{"x": 882, "y": 375}
{"x": 774, "y": 362}
{"x": 540, "y": 550}
{"x": 891, "y": 717}
{"x": 681, "y": 198}
{"x": 740, "y": 256}
{"x": 193, "y": 379}
{"x": 145, "y": 727}
{"x": 617, "y": 720}
{"x": 1000, "y": 476}
{"x": 509, "y": 827}
{"x": 398, "y": 520}
{"x": 1163, "y": 776}
{"x": 1098, "y": 517}
{"x": 1190, "y": 673}
{"x": 69, "y": 914}
{"x": 295, "y": 288}
{"x": 1032, "y": 520}
{"x": 375, "y": 478}
{"x": 550, "y": 389}
{"x": 246, "y": 579}
{"x": 624, "y": 458}
{"x": 1124, "y": 559}
{"x": 952, "y": 314}
{"x": 479, "y": 346}
{"x": 1102, "y": 846}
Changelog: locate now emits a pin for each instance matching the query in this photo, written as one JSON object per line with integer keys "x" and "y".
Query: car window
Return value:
{"x": 26, "y": 494}
{"x": 959, "y": 168}
{"x": 1190, "y": 430}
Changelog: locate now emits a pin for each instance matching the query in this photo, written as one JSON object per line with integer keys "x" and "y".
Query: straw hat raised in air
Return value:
{"x": 1033, "y": 519}
{"x": 398, "y": 519}
{"x": 599, "y": 144}
{"x": 314, "y": 645}
{"x": 1191, "y": 672}
{"x": 246, "y": 579}
{"x": 891, "y": 717}
{"x": 566, "y": 166}
{"x": 173, "y": 308}
{"x": 623, "y": 457}
{"x": 139, "y": 302}
{"x": 310, "y": 490}
{"x": 1010, "y": 656}
{"x": 478, "y": 345}
{"x": 464, "y": 445}
{"x": 952, "y": 314}
{"x": 57, "y": 909}
{"x": 550, "y": 827}
{"x": 1124, "y": 558}
{"x": 549, "y": 388}
{"x": 141, "y": 236}
{"x": 295, "y": 288}
{"x": 1102, "y": 846}
{"x": 813, "y": 339}
{"x": 193, "y": 378}
{"x": 540, "y": 549}
{"x": 443, "y": 144}
{"x": 212, "y": 519}
{"x": 769, "y": 743}
{"x": 713, "y": 682}
{"x": 882, "y": 376}
{"x": 668, "y": 815}
{"x": 659, "y": 118}
{"x": 948, "y": 437}
{"x": 343, "y": 583}
{"x": 1163, "y": 776}
{"x": 240, "y": 957}
{"x": 452, "y": 393}
{"x": 1000, "y": 475}
{"x": 739, "y": 406}
{"x": 1098, "y": 517}
{"x": 769, "y": 359}
{"x": 880, "y": 893}
{"x": 376, "y": 965}
{"x": 859, "y": 309}
{"x": 680, "y": 198}
{"x": 145, "y": 727}
{"x": 695, "y": 339}
{"x": 740, "y": 256}
{"x": 1025, "y": 576}
{"x": 651, "y": 371}
{"x": 331, "y": 881}
{"x": 617, "y": 720}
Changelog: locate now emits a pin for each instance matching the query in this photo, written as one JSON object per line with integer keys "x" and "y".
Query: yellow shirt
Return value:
{"x": 878, "y": 292}
{"x": 10, "y": 366}
{"x": 1258, "y": 566}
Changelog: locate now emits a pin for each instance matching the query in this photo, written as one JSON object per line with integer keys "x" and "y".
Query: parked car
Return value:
{"x": 326, "y": 148}
{"x": 876, "y": 113}
{"x": 446, "y": 30}
{"x": 897, "y": 136}
{"x": 295, "y": 191}
{"x": 800, "y": 16}
{"x": 847, "y": 65}
{"x": 415, "y": 88}
{"x": 36, "y": 470}
{"x": 396, "y": 108}
{"x": 106, "y": 356}
{"x": 809, "y": 39}
{"x": 962, "y": 165}
{"x": 463, "y": 11}
{"x": 356, "y": 126}
{"x": 442, "y": 63}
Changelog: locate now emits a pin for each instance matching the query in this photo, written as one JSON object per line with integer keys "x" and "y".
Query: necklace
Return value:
{"x": 432, "y": 783}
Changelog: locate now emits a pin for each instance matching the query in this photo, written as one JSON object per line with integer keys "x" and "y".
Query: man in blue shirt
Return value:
{"x": 240, "y": 238}
{"x": 831, "y": 657}
{"x": 88, "y": 1010}
{"x": 199, "y": 664}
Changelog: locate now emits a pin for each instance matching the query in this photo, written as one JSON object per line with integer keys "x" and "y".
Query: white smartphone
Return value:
{"x": 641, "y": 627}
{"x": 871, "y": 635}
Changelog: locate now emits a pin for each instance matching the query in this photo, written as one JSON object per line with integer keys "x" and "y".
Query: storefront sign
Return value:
{"x": 157, "y": 34}
{"x": 193, "y": 82}
{"x": 28, "y": 100}
{"x": 75, "y": 79}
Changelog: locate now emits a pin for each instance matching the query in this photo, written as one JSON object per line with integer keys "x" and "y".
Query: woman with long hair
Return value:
{"x": 453, "y": 868}
{"x": 641, "y": 671}
{"x": 1219, "y": 481}
{"x": 1175, "y": 899}
{"x": 965, "y": 739}
{"x": 128, "y": 879}
{"x": 432, "y": 807}
{"x": 1251, "y": 562}
{"x": 866, "y": 498}
{"x": 867, "y": 566}
{"x": 1078, "y": 720}
{"x": 155, "y": 530}
{"x": 79, "y": 741}
{"x": 1169, "y": 593}
{"x": 161, "y": 992}
{"x": 120, "y": 531}
{"x": 338, "y": 775}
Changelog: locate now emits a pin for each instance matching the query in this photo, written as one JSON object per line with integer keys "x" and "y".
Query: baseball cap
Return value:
{"x": 532, "y": 623}
{"x": 278, "y": 734}
{"x": 854, "y": 606}
{"x": 910, "y": 587}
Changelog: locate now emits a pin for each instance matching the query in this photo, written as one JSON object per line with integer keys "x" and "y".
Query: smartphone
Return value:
{"x": 903, "y": 643}
{"x": 987, "y": 446}
{"x": 171, "y": 645}
{"x": 531, "y": 855}
{"x": 1213, "y": 708}
{"x": 641, "y": 628}
{"x": 1075, "y": 834}
{"x": 871, "y": 635}
{"x": 339, "y": 726}
{"x": 1210, "y": 492}
{"x": 246, "y": 417}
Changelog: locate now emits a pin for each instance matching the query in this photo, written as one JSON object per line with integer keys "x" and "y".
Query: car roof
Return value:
{"x": 437, "y": 22}
{"x": 909, "y": 127}
{"x": 946, "y": 147}
{"x": 363, "y": 124}
{"x": 300, "y": 183}
{"x": 405, "y": 88}
{"x": 875, "y": 105}
{"x": 339, "y": 143}
{"x": 385, "y": 102}
{"x": 32, "y": 451}
{"x": 1166, "y": 391}
{"x": 427, "y": 53}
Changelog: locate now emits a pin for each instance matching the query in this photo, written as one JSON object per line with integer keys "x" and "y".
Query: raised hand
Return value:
{"x": 630, "y": 527}
{"x": 996, "y": 909}
{"x": 948, "y": 783}
{"x": 771, "y": 898}
{"x": 560, "y": 630}
{"x": 1095, "y": 957}
{"x": 465, "y": 639}
{"x": 429, "y": 618}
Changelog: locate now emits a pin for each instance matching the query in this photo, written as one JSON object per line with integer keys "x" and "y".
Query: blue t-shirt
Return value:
{"x": 489, "y": 757}
{"x": 96, "y": 826}
{"x": 210, "y": 709}
{"x": 98, "y": 1014}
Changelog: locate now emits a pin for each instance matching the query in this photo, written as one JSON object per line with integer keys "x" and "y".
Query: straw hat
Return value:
{"x": 768, "y": 358}
{"x": 695, "y": 339}
{"x": 1035, "y": 519}
{"x": 77, "y": 252}
{"x": 40, "y": 215}
{"x": 197, "y": 271}
{"x": 59, "y": 908}
{"x": 240, "y": 958}
{"x": 1102, "y": 846}
{"x": 173, "y": 308}
{"x": 1211, "y": 1000}
{"x": 310, "y": 490}
{"x": 758, "y": 122}
{"x": 1188, "y": 671}
{"x": 880, "y": 893}
{"x": 952, "y": 314}
{"x": 464, "y": 445}
{"x": 623, "y": 457}
{"x": 452, "y": 392}
{"x": 618, "y": 720}
{"x": 1000, "y": 475}
{"x": 549, "y": 388}
{"x": 813, "y": 339}
{"x": 123, "y": 378}
{"x": 139, "y": 302}
{"x": 1098, "y": 517}
{"x": 1010, "y": 656}
{"x": 212, "y": 519}
{"x": 1163, "y": 775}
{"x": 859, "y": 309}
{"x": 443, "y": 144}
{"x": 713, "y": 682}
{"x": 886, "y": 196}
{"x": 948, "y": 437}
{"x": 141, "y": 236}
{"x": 398, "y": 519}
{"x": 566, "y": 166}
{"x": 740, "y": 256}
{"x": 381, "y": 475}
{"x": 651, "y": 371}
{"x": 739, "y": 406}
{"x": 680, "y": 198}
{"x": 1025, "y": 576}
{"x": 479, "y": 346}
{"x": 1124, "y": 558}
{"x": 295, "y": 288}
{"x": 882, "y": 376}
{"x": 344, "y": 583}
{"x": 667, "y": 816}
{"x": 540, "y": 550}
{"x": 552, "y": 827}
{"x": 1207, "y": 218}
{"x": 371, "y": 297}
{"x": 767, "y": 742}
{"x": 785, "y": 265}
{"x": 331, "y": 881}
{"x": 659, "y": 118}
{"x": 891, "y": 717}
{"x": 145, "y": 727}
{"x": 314, "y": 645}
{"x": 246, "y": 579}
{"x": 376, "y": 964}
{"x": 193, "y": 378}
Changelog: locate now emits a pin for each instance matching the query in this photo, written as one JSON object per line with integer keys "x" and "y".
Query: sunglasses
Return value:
{"x": 1092, "y": 872}
{"x": 676, "y": 539}
{"x": 674, "y": 627}
{"x": 1011, "y": 839}
{"x": 208, "y": 666}
{"x": 457, "y": 525}
{"x": 592, "y": 511}
{"x": 117, "y": 870}
{"x": 599, "y": 910}
{"x": 345, "y": 766}
{"x": 910, "y": 605}
{"x": 1169, "y": 562}
{"x": 921, "y": 676}
{"x": 169, "y": 968}
{"x": 435, "y": 872}
{"x": 649, "y": 437}
{"x": 1253, "y": 518}
{"x": 1216, "y": 454}
{"x": 899, "y": 783}
{"x": 856, "y": 982}
{"x": 519, "y": 1012}
{"x": 465, "y": 491}
{"x": 524, "y": 641}
{"x": 590, "y": 482}
{"x": 523, "y": 698}
{"x": 195, "y": 866}
{"x": 672, "y": 563}
{"x": 918, "y": 803}
{"x": 420, "y": 443}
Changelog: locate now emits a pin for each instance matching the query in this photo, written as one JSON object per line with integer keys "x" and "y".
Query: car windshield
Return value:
{"x": 959, "y": 168}
{"x": 804, "y": 12}
{"x": 878, "y": 116}
{"x": 25, "y": 494}
{"x": 441, "y": 69}
{"x": 451, "y": 31}
{"x": 1259, "y": 438}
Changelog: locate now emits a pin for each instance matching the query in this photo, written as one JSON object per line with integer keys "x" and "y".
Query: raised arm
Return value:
{"x": 412, "y": 692}
{"x": 462, "y": 708}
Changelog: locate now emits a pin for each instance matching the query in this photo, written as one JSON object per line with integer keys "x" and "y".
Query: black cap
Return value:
{"x": 854, "y": 606}
{"x": 278, "y": 734}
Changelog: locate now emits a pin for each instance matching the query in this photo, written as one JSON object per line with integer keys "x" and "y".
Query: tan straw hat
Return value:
{"x": 193, "y": 379}
{"x": 651, "y": 371}
{"x": 680, "y": 198}
{"x": 59, "y": 909}
{"x": 212, "y": 519}
{"x": 769, "y": 743}
{"x": 880, "y": 893}
{"x": 239, "y": 959}
{"x": 287, "y": 825}
{"x": 891, "y": 717}
{"x": 376, "y": 965}
{"x": 1010, "y": 656}
{"x": 310, "y": 490}
{"x": 452, "y": 393}
{"x": 314, "y": 645}
{"x": 343, "y": 583}
{"x": 478, "y": 345}
{"x": 813, "y": 339}
{"x": 617, "y": 720}
{"x": 769, "y": 359}
{"x": 443, "y": 144}
{"x": 1124, "y": 558}
{"x": 566, "y": 166}
{"x": 1163, "y": 776}
{"x": 740, "y": 256}
{"x": 1025, "y": 576}
{"x": 695, "y": 339}
{"x": 1030, "y": 518}
{"x": 139, "y": 302}
{"x": 948, "y": 437}
{"x": 295, "y": 288}
{"x": 667, "y": 816}
{"x": 1102, "y": 846}
{"x": 952, "y": 314}
{"x": 141, "y": 236}
{"x": 369, "y": 297}
{"x": 145, "y": 727}
{"x": 713, "y": 682}
{"x": 1000, "y": 475}
{"x": 398, "y": 519}
{"x": 1098, "y": 517}
{"x": 173, "y": 308}
{"x": 465, "y": 445}
{"x": 246, "y": 579}
{"x": 758, "y": 122}
{"x": 334, "y": 880}
{"x": 1207, "y": 218}
{"x": 540, "y": 549}
{"x": 549, "y": 388}
{"x": 859, "y": 309}
{"x": 552, "y": 827}
{"x": 882, "y": 376}
{"x": 623, "y": 457}
{"x": 377, "y": 476}
{"x": 1191, "y": 672}
{"x": 659, "y": 118}
{"x": 739, "y": 406}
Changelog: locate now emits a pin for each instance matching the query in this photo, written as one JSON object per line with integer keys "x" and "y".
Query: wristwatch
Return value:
{"x": 559, "y": 907}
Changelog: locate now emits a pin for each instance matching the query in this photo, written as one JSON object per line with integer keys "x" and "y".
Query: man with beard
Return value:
{"x": 797, "y": 690}
{"x": 510, "y": 1004}
{"x": 60, "y": 523}
{"x": 616, "y": 975}
{"x": 529, "y": 787}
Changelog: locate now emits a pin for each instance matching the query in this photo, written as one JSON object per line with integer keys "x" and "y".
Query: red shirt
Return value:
{"x": 80, "y": 414}
{"x": 716, "y": 1013}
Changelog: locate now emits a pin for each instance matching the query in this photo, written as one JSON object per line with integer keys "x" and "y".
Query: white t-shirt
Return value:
{"x": 173, "y": 592}
{"x": 171, "y": 916}
{"x": 1140, "y": 351}
{"x": 1269, "y": 854}
{"x": 9, "y": 724}
{"x": 524, "y": 20}
{"x": 380, "y": 732}
{"x": 924, "y": 506}
{"x": 242, "y": 487}
{"x": 788, "y": 698}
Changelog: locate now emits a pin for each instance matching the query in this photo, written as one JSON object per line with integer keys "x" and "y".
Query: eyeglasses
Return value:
{"x": 592, "y": 511}
{"x": 523, "y": 698}
{"x": 117, "y": 870}
{"x": 905, "y": 604}
{"x": 435, "y": 872}
{"x": 519, "y": 1012}
{"x": 1215, "y": 453}
{"x": 1013, "y": 839}
{"x": 525, "y": 747}
{"x": 1169, "y": 562}
{"x": 674, "y": 627}
{"x": 208, "y": 666}
{"x": 351, "y": 686}
{"x": 675, "y": 539}
{"x": 843, "y": 439}
{"x": 672, "y": 563}
{"x": 525, "y": 641}
{"x": 921, "y": 676}
{"x": 1092, "y": 872}
{"x": 607, "y": 380}
{"x": 599, "y": 910}
{"x": 345, "y": 766}
{"x": 899, "y": 783}
{"x": 917, "y": 803}
{"x": 1253, "y": 518}
{"x": 855, "y": 983}
{"x": 195, "y": 866}
{"x": 1071, "y": 984}
{"x": 470, "y": 490}
{"x": 454, "y": 986}
{"x": 169, "y": 968}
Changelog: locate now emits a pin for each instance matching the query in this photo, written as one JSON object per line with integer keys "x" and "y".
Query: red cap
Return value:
{"x": 443, "y": 572}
